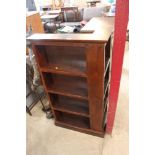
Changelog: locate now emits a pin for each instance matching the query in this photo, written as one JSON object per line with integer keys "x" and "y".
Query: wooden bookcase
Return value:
{"x": 76, "y": 77}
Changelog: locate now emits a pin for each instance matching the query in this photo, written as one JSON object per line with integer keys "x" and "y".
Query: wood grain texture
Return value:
{"x": 33, "y": 19}
{"x": 70, "y": 105}
{"x": 95, "y": 69}
{"x": 66, "y": 84}
{"x": 102, "y": 26}
{"x": 73, "y": 72}
{"x": 75, "y": 128}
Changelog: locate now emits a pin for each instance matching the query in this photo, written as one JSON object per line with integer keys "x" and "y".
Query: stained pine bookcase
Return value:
{"x": 76, "y": 76}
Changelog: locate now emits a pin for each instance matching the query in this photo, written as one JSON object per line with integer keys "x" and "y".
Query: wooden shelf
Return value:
{"x": 66, "y": 85}
{"x": 67, "y": 94}
{"x": 70, "y": 105}
{"x": 62, "y": 60}
{"x": 64, "y": 70}
{"x": 73, "y": 120}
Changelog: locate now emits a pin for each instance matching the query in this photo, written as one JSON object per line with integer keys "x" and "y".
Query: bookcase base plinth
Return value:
{"x": 87, "y": 131}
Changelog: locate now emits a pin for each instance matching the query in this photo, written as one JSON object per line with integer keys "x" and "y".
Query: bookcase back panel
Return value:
{"x": 73, "y": 120}
{"x": 70, "y": 104}
{"x": 63, "y": 57}
{"x": 67, "y": 84}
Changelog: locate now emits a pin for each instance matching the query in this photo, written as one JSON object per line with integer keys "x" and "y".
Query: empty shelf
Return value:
{"x": 73, "y": 120}
{"x": 70, "y": 105}
{"x": 66, "y": 85}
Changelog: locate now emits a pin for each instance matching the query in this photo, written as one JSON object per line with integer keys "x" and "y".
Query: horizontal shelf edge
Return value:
{"x": 67, "y": 94}
{"x": 71, "y": 112}
{"x": 62, "y": 72}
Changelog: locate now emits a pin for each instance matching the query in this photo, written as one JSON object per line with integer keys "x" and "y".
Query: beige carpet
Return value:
{"x": 44, "y": 138}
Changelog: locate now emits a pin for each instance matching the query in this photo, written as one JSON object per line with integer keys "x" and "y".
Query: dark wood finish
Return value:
{"x": 70, "y": 105}
{"x": 63, "y": 70}
{"x": 71, "y": 8}
{"x": 63, "y": 60}
{"x": 101, "y": 26}
{"x": 84, "y": 130}
{"x": 75, "y": 69}
{"x": 73, "y": 120}
{"x": 66, "y": 84}
{"x": 67, "y": 94}
{"x": 95, "y": 68}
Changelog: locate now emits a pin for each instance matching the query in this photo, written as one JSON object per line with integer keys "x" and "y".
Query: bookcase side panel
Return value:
{"x": 95, "y": 71}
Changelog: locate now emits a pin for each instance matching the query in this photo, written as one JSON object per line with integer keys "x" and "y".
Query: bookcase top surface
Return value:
{"x": 101, "y": 28}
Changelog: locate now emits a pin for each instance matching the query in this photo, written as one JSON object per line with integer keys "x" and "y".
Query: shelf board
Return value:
{"x": 56, "y": 91}
{"x": 74, "y": 120}
{"x": 70, "y": 111}
{"x": 67, "y": 86}
{"x": 64, "y": 70}
{"x": 71, "y": 106}
{"x": 75, "y": 128}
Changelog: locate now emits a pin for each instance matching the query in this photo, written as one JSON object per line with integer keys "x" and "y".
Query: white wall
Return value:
{"x": 80, "y": 3}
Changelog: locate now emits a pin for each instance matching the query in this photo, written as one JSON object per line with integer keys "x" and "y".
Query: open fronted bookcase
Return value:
{"x": 76, "y": 77}
{"x": 75, "y": 70}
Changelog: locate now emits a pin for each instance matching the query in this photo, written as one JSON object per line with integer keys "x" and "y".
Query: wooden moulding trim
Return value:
{"x": 87, "y": 131}
{"x": 49, "y": 41}
{"x": 71, "y": 112}
{"x": 58, "y": 43}
{"x": 62, "y": 72}
{"x": 67, "y": 94}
